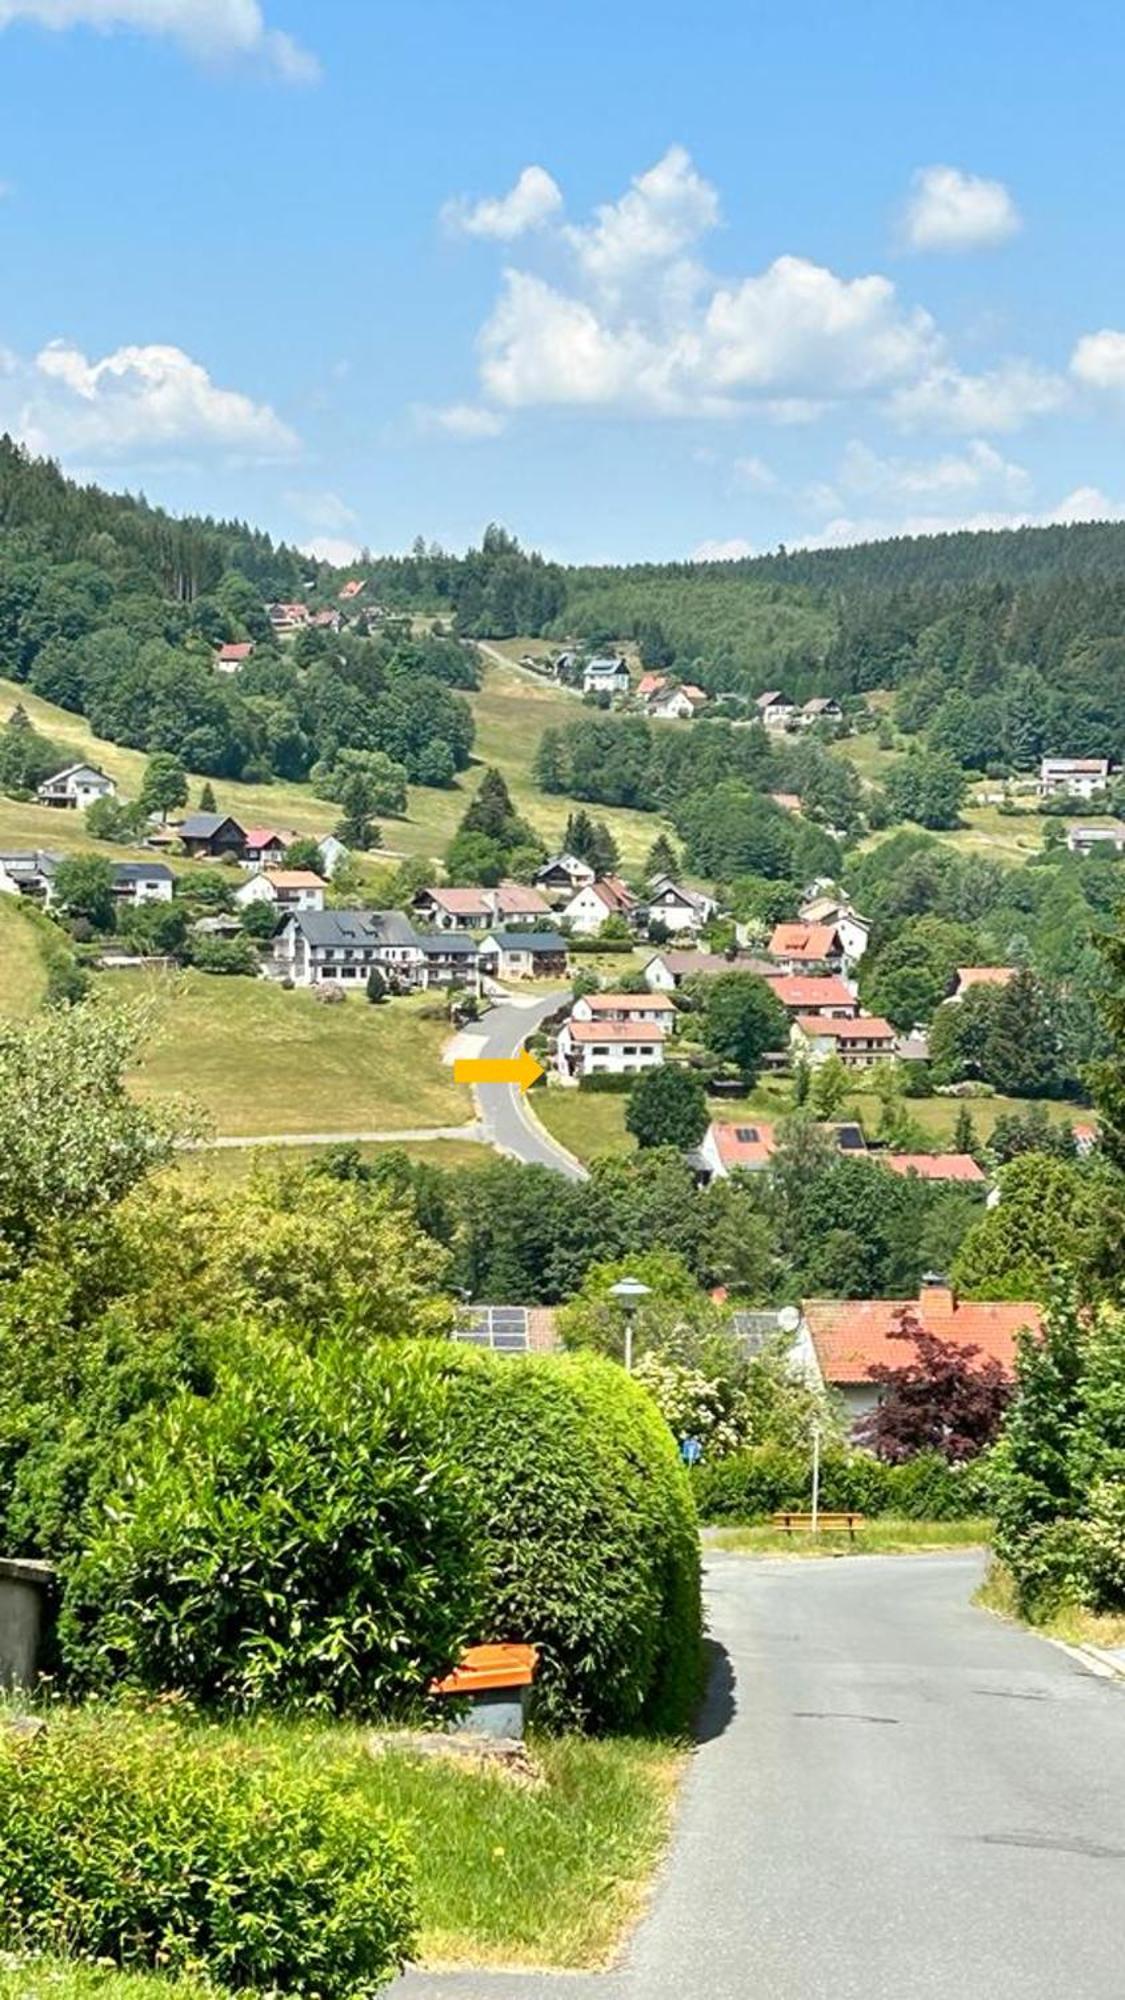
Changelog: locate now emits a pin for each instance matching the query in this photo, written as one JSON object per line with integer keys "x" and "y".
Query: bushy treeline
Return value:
{"x": 750, "y": 1485}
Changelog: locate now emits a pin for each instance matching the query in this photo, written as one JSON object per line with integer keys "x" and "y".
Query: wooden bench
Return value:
{"x": 826, "y": 1523}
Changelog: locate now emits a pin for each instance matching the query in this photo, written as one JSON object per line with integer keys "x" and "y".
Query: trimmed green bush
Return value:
{"x": 300, "y": 1538}
{"x": 750, "y": 1485}
{"x": 171, "y": 1848}
{"x": 590, "y": 1540}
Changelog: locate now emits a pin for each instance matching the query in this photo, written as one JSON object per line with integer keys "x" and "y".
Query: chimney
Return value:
{"x": 936, "y": 1291}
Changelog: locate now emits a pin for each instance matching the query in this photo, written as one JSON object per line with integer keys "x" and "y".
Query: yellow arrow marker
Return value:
{"x": 522, "y": 1069}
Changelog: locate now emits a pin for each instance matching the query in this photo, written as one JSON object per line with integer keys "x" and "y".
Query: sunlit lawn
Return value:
{"x": 228, "y": 1166}
{"x": 260, "y": 1060}
{"x": 23, "y": 976}
{"x": 886, "y": 1535}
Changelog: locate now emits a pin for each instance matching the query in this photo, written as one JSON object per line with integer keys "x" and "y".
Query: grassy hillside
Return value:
{"x": 258, "y": 1060}
{"x": 23, "y": 977}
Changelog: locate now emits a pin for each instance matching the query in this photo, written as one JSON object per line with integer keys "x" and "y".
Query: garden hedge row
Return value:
{"x": 750, "y": 1485}
{"x": 164, "y": 1848}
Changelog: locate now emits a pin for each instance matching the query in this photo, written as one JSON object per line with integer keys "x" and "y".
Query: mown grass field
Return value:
{"x": 887, "y": 1536}
{"x": 229, "y": 1166}
{"x": 588, "y": 1123}
{"x": 23, "y": 976}
{"x": 257, "y": 1060}
{"x": 508, "y": 1873}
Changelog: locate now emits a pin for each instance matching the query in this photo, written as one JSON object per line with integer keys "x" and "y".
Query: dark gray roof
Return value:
{"x": 527, "y": 940}
{"x": 200, "y": 826}
{"x": 142, "y": 871}
{"x": 447, "y": 944}
{"x": 34, "y": 861}
{"x": 352, "y": 927}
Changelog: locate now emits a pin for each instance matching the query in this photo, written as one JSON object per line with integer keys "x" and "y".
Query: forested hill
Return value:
{"x": 44, "y": 516}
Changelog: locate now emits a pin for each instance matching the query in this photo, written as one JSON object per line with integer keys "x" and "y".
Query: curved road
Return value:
{"x": 895, "y": 1797}
{"x": 507, "y": 1122}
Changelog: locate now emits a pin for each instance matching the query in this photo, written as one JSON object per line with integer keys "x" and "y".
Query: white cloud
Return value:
{"x": 664, "y": 212}
{"x": 1085, "y": 503}
{"x": 1098, "y": 361}
{"x": 334, "y": 549}
{"x": 753, "y": 471}
{"x": 978, "y": 468}
{"x": 731, "y": 551}
{"x": 798, "y": 328}
{"x": 210, "y": 30}
{"x": 535, "y": 198}
{"x": 470, "y": 422}
{"x": 951, "y": 210}
{"x": 999, "y": 399}
{"x": 132, "y": 404}
{"x": 320, "y": 509}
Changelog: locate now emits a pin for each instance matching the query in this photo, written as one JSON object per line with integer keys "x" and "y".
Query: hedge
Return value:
{"x": 171, "y": 1848}
{"x": 590, "y": 1537}
{"x": 300, "y": 1538}
{"x": 749, "y": 1485}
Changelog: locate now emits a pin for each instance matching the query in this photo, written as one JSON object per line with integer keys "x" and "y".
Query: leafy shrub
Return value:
{"x": 591, "y": 1548}
{"x": 164, "y": 1847}
{"x": 749, "y": 1485}
{"x": 301, "y": 1538}
{"x": 607, "y": 1083}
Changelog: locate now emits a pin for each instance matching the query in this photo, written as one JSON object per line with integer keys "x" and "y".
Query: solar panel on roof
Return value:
{"x": 501, "y": 1328}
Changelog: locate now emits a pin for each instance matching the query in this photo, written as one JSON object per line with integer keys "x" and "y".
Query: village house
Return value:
{"x": 626, "y": 1007}
{"x": 79, "y": 786}
{"x": 969, "y": 976}
{"x": 287, "y": 618}
{"x": 775, "y": 710}
{"x": 859, "y": 1041}
{"x": 960, "y": 1168}
{"x": 677, "y": 907}
{"x": 230, "y": 658}
{"x": 736, "y": 1148}
{"x": 331, "y": 852}
{"x": 140, "y": 882}
{"x": 523, "y": 955}
{"x": 788, "y": 801}
{"x": 824, "y": 995}
{"x": 667, "y": 970}
{"x": 605, "y": 675}
{"x": 267, "y": 846}
{"x": 608, "y": 1048}
{"x": 29, "y": 874}
{"x": 562, "y": 875}
{"x": 448, "y": 958}
{"x": 807, "y": 947}
{"x": 839, "y": 1341}
{"x": 676, "y": 704}
{"x": 318, "y": 947}
{"x": 1087, "y": 840}
{"x": 211, "y": 835}
{"x": 589, "y": 907}
{"x": 354, "y": 587}
{"x": 822, "y": 708}
{"x": 480, "y": 909}
{"x": 650, "y": 685}
{"x": 854, "y": 931}
{"x": 283, "y": 889}
{"x": 1073, "y": 777}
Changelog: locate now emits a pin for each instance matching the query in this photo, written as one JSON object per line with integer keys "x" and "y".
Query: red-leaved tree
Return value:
{"x": 941, "y": 1398}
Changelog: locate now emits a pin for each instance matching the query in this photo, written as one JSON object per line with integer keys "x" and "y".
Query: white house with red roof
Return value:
{"x": 743, "y": 1147}
{"x": 866, "y": 1038}
{"x": 676, "y": 704}
{"x": 231, "y": 657}
{"x": 608, "y": 1048}
{"x": 288, "y": 617}
{"x": 960, "y": 1168}
{"x": 839, "y": 1341}
{"x": 266, "y": 846}
{"x": 804, "y": 947}
{"x": 969, "y": 976}
{"x": 283, "y": 888}
{"x": 814, "y": 993}
{"x": 476, "y": 909}
{"x": 590, "y": 906}
{"x": 625, "y": 1007}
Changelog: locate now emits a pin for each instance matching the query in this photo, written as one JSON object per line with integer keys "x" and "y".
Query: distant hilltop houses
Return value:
{"x": 777, "y": 713}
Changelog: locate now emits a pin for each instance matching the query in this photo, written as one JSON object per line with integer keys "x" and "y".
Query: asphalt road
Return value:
{"x": 506, "y": 1120}
{"x": 896, "y": 1798}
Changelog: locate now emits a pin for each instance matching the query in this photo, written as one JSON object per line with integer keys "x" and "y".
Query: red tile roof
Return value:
{"x": 935, "y": 1166}
{"x": 293, "y": 878}
{"x": 615, "y": 1031}
{"x": 650, "y": 684}
{"x": 812, "y": 941}
{"x": 744, "y": 1144}
{"x": 508, "y": 899}
{"x": 614, "y": 893}
{"x": 241, "y": 651}
{"x": 865, "y": 1028}
{"x": 807, "y": 992}
{"x": 268, "y": 836}
{"x": 852, "y": 1336}
{"x": 648, "y": 1003}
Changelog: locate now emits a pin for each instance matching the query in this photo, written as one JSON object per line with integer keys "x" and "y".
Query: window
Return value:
{"x": 599, "y": 1051}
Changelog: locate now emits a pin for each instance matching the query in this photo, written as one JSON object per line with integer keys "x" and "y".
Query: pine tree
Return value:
{"x": 550, "y": 763}
{"x": 207, "y": 798}
{"x": 964, "y": 1132}
{"x": 662, "y": 859}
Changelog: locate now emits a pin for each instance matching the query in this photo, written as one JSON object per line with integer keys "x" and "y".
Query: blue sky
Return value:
{"x": 638, "y": 281}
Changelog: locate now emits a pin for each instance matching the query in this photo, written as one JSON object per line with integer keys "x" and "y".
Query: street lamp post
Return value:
{"x": 815, "y": 1478}
{"x": 629, "y": 1292}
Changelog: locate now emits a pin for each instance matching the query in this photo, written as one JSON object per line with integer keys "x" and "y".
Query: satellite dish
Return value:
{"x": 789, "y": 1319}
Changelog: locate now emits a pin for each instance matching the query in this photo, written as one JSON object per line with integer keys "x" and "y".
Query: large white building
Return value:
{"x": 608, "y": 1048}
{"x": 1073, "y": 777}
{"x": 77, "y": 787}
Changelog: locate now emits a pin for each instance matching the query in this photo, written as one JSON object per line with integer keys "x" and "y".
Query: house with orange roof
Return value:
{"x": 839, "y": 1341}
{"x": 590, "y": 905}
{"x": 804, "y": 947}
{"x": 649, "y": 685}
{"x": 866, "y": 1038}
{"x": 958, "y": 1167}
{"x": 969, "y": 976}
{"x": 608, "y": 1048}
{"x": 625, "y": 1007}
{"x": 476, "y": 909}
{"x": 283, "y": 888}
{"x": 229, "y": 658}
{"x": 814, "y": 993}
{"x": 745, "y": 1147}
{"x": 354, "y": 587}
{"x": 677, "y": 704}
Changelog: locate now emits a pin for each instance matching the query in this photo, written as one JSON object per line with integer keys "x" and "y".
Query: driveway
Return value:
{"x": 896, "y": 1797}
{"x": 507, "y": 1121}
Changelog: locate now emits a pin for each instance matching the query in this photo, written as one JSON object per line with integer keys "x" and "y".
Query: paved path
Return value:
{"x": 507, "y": 1121}
{"x": 896, "y": 1798}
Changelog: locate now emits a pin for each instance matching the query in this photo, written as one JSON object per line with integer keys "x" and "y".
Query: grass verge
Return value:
{"x": 48, "y": 1979}
{"x": 886, "y": 1537}
{"x": 230, "y": 1166}
{"x": 23, "y": 975}
{"x": 1071, "y": 1622}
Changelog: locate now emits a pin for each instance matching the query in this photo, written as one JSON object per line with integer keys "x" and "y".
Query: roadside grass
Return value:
{"x": 23, "y": 975}
{"x": 1071, "y": 1622}
{"x": 258, "y": 1060}
{"x": 886, "y": 1535}
{"x": 224, "y": 1167}
{"x": 52, "y": 1979}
